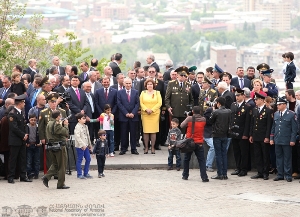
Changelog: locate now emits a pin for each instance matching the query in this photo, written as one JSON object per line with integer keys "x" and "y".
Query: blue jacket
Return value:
{"x": 128, "y": 107}
{"x": 99, "y": 149}
{"x": 290, "y": 72}
{"x": 272, "y": 90}
{"x": 284, "y": 129}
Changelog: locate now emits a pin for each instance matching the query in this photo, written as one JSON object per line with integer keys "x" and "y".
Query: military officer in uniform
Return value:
{"x": 57, "y": 135}
{"x": 207, "y": 94}
{"x": 263, "y": 67}
{"x": 268, "y": 86}
{"x": 239, "y": 132}
{"x": 179, "y": 95}
{"x": 260, "y": 129}
{"x": 16, "y": 139}
{"x": 191, "y": 77}
{"x": 283, "y": 135}
{"x": 46, "y": 86}
{"x": 45, "y": 117}
{"x": 217, "y": 71}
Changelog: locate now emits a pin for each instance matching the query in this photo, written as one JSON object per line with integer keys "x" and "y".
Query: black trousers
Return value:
{"x": 262, "y": 157}
{"x": 289, "y": 85}
{"x": 17, "y": 154}
{"x": 100, "y": 163}
{"x": 128, "y": 127}
{"x": 241, "y": 153}
{"x": 117, "y": 134}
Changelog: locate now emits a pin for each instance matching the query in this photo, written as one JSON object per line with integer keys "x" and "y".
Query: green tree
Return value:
{"x": 195, "y": 15}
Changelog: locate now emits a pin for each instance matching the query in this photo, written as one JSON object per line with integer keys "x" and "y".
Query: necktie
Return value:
{"x": 84, "y": 75}
{"x": 78, "y": 95}
{"x": 128, "y": 95}
{"x": 242, "y": 83}
{"x": 280, "y": 114}
{"x": 106, "y": 95}
{"x": 91, "y": 101}
{"x": 120, "y": 87}
{"x": 4, "y": 92}
{"x": 181, "y": 85}
{"x": 34, "y": 97}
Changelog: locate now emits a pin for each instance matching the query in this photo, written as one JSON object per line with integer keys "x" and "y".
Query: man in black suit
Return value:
{"x": 17, "y": 138}
{"x": 84, "y": 76}
{"x": 197, "y": 87}
{"x": 225, "y": 93}
{"x": 109, "y": 73}
{"x": 115, "y": 64}
{"x": 5, "y": 90}
{"x": 250, "y": 73}
{"x": 240, "y": 81}
{"x": 140, "y": 73}
{"x": 30, "y": 88}
{"x": 91, "y": 110}
{"x": 78, "y": 103}
{"x": 60, "y": 69}
{"x": 151, "y": 61}
{"x": 290, "y": 72}
{"x": 94, "y": 64}
{"x": 31, "y": 70}
{"x": 93, "y": 80}
{"x": 73, "y": 71}
{"x": 120, "y": 82}
{"x": 169, "y": 68}
{"x": 63, "y": 88}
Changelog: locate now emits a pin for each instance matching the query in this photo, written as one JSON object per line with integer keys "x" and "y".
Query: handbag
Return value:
{"x": 188, "y": 144}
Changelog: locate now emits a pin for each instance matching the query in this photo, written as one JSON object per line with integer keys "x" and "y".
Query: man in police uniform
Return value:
{"x": 260, "y": 129}
{"x": 217, "y": 71}
{"x": 45, "y": 117}
{"x": 207, "y": 94}
{"x": 57, "y": 135}
{"x": 179, "y": 95}
{"x": 191, "y": 76}
{"x": 283, "y": 135}
{"x": 268, "y": 86}
{"x": 239, "y": 132}
{"x": 16, "y": 139}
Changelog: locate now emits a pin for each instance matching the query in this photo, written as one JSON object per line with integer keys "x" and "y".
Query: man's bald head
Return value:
{"x": 9, "y": 101}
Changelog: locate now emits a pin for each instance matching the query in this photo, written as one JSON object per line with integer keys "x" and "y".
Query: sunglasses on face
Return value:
{"x": 183, "y": 76}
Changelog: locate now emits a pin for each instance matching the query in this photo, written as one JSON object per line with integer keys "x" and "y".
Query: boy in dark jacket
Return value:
{"x": 33, "y": 148}
{"x": 101, "y": 151}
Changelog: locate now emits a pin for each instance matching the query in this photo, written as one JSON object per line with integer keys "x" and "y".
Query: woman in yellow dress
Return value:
{"x": 151, "y": 102}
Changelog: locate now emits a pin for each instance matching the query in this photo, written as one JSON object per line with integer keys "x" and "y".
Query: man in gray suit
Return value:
{"x": 93, "y": 80}
{"x": 135, "y": 84}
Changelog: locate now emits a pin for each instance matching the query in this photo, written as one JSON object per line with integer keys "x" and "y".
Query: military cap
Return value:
{"x": 192, "y": 70}
{"x": 225, "y": 73}
{"x": 20, "y": 97}
{"x": 182, "y": 70}
{"x": 239, "y": 91}
{"x": 259, "y": 96}
{"x": 206, "y": 79}
{"x": 45, "y": 80}
{"x": 262, "y": 67}
{"x": 280, "y": 100}
{"x": 267, "y": 72}
{"x": 53, "y": 97}
{"x": 218, "y": 69}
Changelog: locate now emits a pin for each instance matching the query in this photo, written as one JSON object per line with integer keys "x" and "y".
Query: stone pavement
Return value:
{"x": 152, "y": 193}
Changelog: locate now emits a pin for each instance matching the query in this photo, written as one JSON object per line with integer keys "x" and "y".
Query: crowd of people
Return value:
{"x": 113, "y": 111}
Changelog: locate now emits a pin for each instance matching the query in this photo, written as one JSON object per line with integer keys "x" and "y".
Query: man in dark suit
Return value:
{"x": 27, "y": 77}
{"x": 78, "y": 103}
{"x": 290, "y": 72}
{"x": 60, "y": 69}
{"x": 140, "y": 73}
{"x": 65, "y": 85}
{"x": 93, "y": 80}
{"x": 120, "y": 82}
{"x": 151, "y": 61}
{"x": 250, "y": 74}
{"x": 240, "y": 81}
{"x": 5, "y": 90}
{"x": 169, "y": 68}
{"x": 31, "y": 70}
{"x": 94, "y": 64}
{"x": 84, "y": 76}
{"x": 197, "y": 87}
{"x": 225, "y": 93}
{"x": 37, "y": 85}
{"x": 109, "y": 73}
{"x": 128, "y": 104}
{"x": 17, "y": 138}
{"x": 115, "y": 64}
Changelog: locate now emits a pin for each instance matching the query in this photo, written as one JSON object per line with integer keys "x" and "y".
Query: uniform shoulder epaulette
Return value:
{"x": 271, "y": 82}
{"x": 212, "y": 90}
{"x": 44, "y": 109}
{"x": 61, "y": 109}
{"x": 291, "y": 111}
{"x": 171, "y": 81}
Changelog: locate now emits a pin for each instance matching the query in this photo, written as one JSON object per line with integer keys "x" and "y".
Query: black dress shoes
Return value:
{"x": 11, "y": 181}
{"x": 289, "y": 179}
{"x": 242, "y": 174}
{"x": 25, "y": 180}
{"x": 266, "y": 177}
{"x": 45, "y": 181}
{"x": 257, "y": 176}
{"x": 184, "y": 178}
{"x": 135, "y": 152}
{"x": 122, "y": 153}
{"x": 225, "y": 177}
{"x": 218, "y": 177}
{"x": 63, "y": 187}
{"x": 277, "y": 179}
{"x": 236, "y": 172}
{"x": 205, "y": 180}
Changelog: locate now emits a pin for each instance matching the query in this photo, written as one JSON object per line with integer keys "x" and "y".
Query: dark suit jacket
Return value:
{"x": 195, "y": 93}
{"x": 59, "y": 89}
{"x": 30, "y": 72}
{"x": 31, "y": 96}
{"x": 235, "y": 82}
{"x": 100, "y": 100}
{"x": 29, "y": 89}
{"x": 75, "y": 105}
{"x": 115, "y": 68}
{"x": 5, "y": 96}
{"x": 229, "y": 97}
{"x": 154, "y": 64}
{"x": 61, "y": 71}
{"x": 115, "y": 81}
{"x": 115, "y": 86}
{"x": 160, "y": 86}
{"x": 290, "y": 72}
{"x": 89, "y": 111}
{"x": 82, "y": 80}
{"x": 16, "y": 128}
{"x": 167, "y": 76}
{"x": 126, "y": 107}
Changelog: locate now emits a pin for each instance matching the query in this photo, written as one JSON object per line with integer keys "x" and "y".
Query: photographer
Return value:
{"x": 220, "y": 120}
{"x": 198, "y": 139}
{"x": 57, "y": 134}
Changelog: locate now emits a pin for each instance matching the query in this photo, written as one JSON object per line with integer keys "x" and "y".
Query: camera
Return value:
{"x": 231, "y": 131}
{"x": 211, "y": 104}
{"x": 65, "y": 96}
{"x": 189, "y": 112}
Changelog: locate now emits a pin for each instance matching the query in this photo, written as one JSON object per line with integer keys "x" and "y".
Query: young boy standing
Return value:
{"x": 290, "y": 72}
{"x": 101, "y": 151}
{"x": 33, "y": 146}
{"x": 174, "y": 135}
